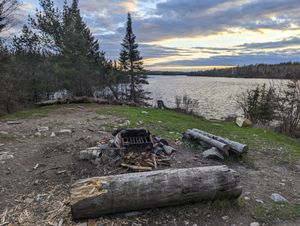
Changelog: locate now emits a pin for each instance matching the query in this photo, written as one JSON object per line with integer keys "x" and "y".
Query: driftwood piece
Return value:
{"x": 235, "y": 146}
{"x": 215, "y": 143}
{"x": 133, "y": 167}
{"x": 94, "y": 197}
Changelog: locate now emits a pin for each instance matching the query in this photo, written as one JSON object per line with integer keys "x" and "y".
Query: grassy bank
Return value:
{"x": 171, "y": 125}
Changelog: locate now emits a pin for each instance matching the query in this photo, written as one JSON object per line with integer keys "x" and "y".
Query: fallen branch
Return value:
{"x": 133, "y": 167}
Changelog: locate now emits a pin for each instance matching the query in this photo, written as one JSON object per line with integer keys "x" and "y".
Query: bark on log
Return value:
{"x": 94, "y": 197}
{"x": 235, "y": 146}
{"x": 215, "y": 143}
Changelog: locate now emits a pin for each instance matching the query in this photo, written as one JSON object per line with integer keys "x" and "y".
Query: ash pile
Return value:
{"x": 214, "y": 147}
{"x": 134, "y": 149}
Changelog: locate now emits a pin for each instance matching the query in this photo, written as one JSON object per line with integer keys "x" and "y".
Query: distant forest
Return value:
{"x": 275, "y": 71}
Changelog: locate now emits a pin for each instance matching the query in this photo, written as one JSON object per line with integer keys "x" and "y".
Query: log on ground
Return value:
{"x": 98, "y": 196}
{"x": 215, "y": 143}
{"x": 235, "y": 146}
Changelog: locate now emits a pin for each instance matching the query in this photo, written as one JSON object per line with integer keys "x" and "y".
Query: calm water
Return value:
{"x": 215, "y": 95}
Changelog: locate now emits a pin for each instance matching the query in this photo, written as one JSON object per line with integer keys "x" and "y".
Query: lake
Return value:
{"x": 216, "y": 96}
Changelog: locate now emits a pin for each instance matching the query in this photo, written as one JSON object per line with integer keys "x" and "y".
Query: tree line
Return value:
{"x": 289, "y": 70}
{"x": 56, "y": 51}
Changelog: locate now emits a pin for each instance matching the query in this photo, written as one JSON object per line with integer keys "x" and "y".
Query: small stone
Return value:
{"x": 53, "y": 134}
{"x": 225, "y": 218}
{"x": 247, "y": 198}
{"x": 3, "y": 133}
{"x": 42, "y": 129}
{"x": 65, "y": 131}
{"x": 254, "y": 224}
{"x": 36, "y": 182}
{"x": 278, "y": 198}
{"x": 6, "y": 156}
{"x": 145, "y": 112}
{"x": 168, "y": 149}
{"x": 29, "y": 200}
{"x": 282, "y": 184}
{"x": 213, "y": 153}
{"x": 259, "y": 201}
{"x": 36, "y": 166}
{"x": 186, "y": 223}
{"x": 195, "y": 225}
{"x": 38, "y": 134}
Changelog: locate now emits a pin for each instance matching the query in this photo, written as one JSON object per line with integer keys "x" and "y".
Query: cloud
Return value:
{"x": 293, "y": 41}
{"x": 156, "y": 20}
{"x": 234, "y": 60}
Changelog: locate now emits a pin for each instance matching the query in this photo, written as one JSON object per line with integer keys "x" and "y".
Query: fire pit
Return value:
{"x": 137, "y": 149}
{"x": 134, "y": 140}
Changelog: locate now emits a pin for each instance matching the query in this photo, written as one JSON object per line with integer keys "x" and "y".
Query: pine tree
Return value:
{"x": 132, "y": 63}
{"x": 79, "y": 59}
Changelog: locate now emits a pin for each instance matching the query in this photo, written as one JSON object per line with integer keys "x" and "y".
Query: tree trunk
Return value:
{"x": 235, "y": 146}
{"x": 94, "y": 197}
{"x": 215, "y": 143}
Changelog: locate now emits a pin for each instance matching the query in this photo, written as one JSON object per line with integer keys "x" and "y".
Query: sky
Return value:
{"x": 195, "y": 34}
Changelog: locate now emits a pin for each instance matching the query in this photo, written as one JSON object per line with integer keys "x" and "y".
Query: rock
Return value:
{"x": 225, "y": 218}
{"x": 42, "y": 129}
{"x": 13, "y": 122}
{"x": 38, "y": 134}
{"x": 213, "y": 153}
{"x": 145, "y": 112}
{"x": 6, "y": 156}
{"x": 168, "y": 149}
{"x": 247, "y": 198}
{"x": 259, "y": 201}
{"x": 36, "y": 166}
{"x": 53, "y": 134}
{"x": 254, "y": 224}
{"x": 243, "y": 122}
{"x": 3, "y": 133}
{"x": 91, "y": 153}
{"x": 39, "y": 197}
{"x": 65, "y": 131}
{"x": 29, "y": 200}
{"x": 278, "y": 198}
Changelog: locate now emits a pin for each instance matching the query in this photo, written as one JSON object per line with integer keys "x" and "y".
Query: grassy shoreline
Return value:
{"x": 171, "y": 125}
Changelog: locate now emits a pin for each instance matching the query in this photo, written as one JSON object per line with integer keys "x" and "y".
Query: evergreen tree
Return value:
{"x": 132, "y": 63}
{"x": 79, "y": 59}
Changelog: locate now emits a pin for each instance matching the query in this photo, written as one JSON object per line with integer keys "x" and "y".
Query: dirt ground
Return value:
{"x": 35, "y": 183}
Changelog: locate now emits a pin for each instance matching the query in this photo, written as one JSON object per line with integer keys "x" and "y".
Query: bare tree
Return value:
{"x": 7, "y": 9}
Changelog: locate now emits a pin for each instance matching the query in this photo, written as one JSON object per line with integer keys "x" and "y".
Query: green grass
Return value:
{"x": 30, "y": 113}
{"x": 7, "y": 138}
{"x": 282, "y": 211}
{"x": 171, "y": 125}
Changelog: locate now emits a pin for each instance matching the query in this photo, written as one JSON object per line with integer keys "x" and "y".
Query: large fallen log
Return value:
{"x": 235, "y": 146}
{"x": 82, "y": 100}
{"x": 94, "y": 197}
{"x": 215, "y": 143}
